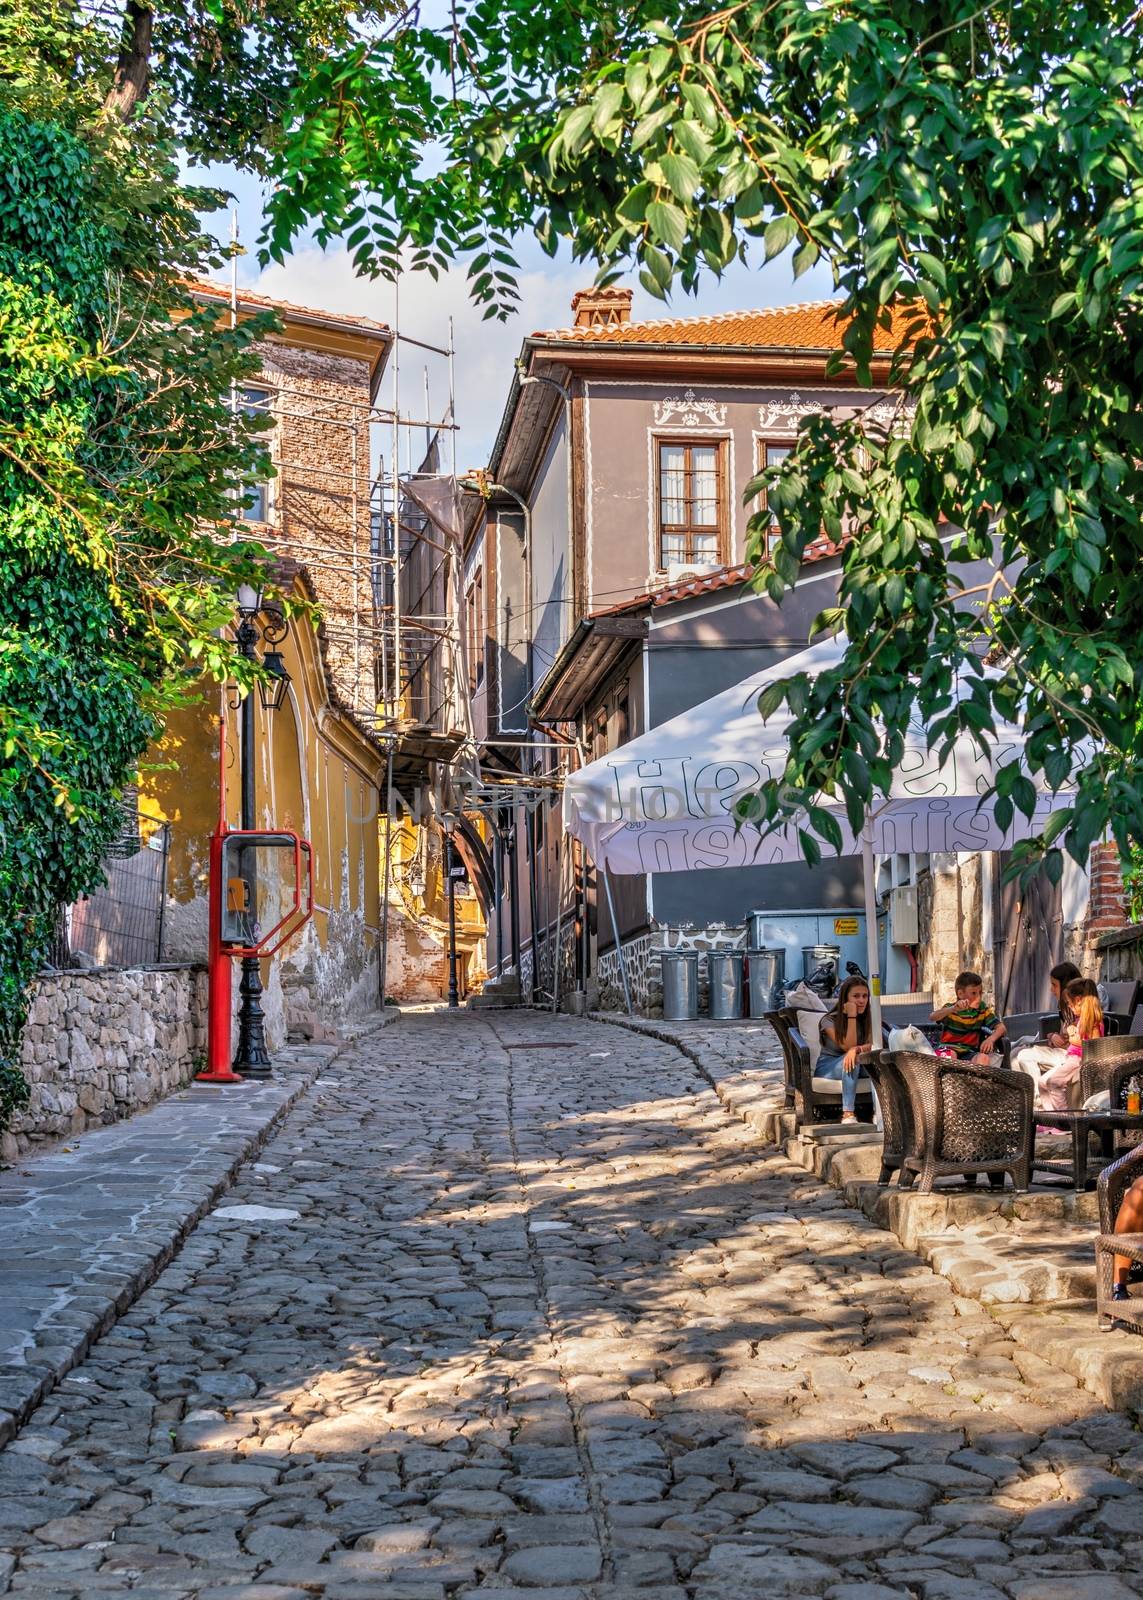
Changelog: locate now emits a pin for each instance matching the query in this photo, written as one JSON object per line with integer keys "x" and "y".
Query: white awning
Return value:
{"x": 664, "y": 802}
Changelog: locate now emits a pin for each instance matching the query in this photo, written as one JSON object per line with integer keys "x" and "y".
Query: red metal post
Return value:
{"x": 218, "y": 964}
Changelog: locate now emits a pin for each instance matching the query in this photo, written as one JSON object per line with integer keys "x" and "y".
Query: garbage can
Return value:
{"x": 724, "y": 969}
{"x": 767, "y": 976}
{"x": 680, "y": 985}
{"x": 820, "y": 963}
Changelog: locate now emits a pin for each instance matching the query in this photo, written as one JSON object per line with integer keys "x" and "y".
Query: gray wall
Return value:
{"x": 699, "y": 648}
{"x": 551, "y": 555}
{"x": 508, "y": 656}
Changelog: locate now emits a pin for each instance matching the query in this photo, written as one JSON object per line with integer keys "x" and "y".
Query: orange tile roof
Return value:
{"x": 819, "y": 549}
{"x": 811, "y": 325}
{"x": 250, "y": 297}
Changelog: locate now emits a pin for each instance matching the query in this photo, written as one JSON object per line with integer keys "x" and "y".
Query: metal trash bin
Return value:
{"x": 767, "y": 977}
{"x": 724, "y": 970}
{"x": 820, "y": 965}
{"x": 680, "y": 985}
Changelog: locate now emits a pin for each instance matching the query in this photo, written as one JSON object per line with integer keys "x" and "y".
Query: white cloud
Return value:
{"x": 485, "y": 351}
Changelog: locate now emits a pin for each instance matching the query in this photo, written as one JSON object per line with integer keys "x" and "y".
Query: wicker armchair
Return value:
{"x": 1109, "y": 1063}
{"x": 967, "y": 1120}
{"x": 1114, "y": 1182}
{"x": 781, "y": 1022}
{"x": 896, "y": 1111}
{"x": 813, "y": 1099}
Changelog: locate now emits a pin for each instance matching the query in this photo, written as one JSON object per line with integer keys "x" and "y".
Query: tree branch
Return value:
{"x": 133, "y": 72}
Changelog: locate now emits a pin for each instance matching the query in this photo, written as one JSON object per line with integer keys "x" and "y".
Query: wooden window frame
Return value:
{"x": 763, "y": 446}
{"x": 474, "y": 623}
{"x": 264, "y": 487}
{"x": 689, "y": 442}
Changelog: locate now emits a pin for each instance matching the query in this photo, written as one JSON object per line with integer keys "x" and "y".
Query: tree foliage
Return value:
{"x": 975, "y": 168}
{"x": 118, "y": 461}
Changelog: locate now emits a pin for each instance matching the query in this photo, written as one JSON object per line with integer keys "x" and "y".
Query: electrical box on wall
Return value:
{"x": 903, "y": 924}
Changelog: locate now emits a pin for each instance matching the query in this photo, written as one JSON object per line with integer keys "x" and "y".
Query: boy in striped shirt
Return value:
{"x": 971, "y": 1028}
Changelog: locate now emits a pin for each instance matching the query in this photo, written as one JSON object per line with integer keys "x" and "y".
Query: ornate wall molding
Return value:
{"x": 783, "y": 416}
{"x": 690, "y": 410}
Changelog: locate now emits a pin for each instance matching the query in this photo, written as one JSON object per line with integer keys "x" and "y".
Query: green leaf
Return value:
{"x": 811, "y": 849}
{"x": 683, "y": 177}
{"x": 694, "y": 141}
{"x": 667, "y": 223}
{"x": 771, "y": 698}
{"x": 778, "y": 235}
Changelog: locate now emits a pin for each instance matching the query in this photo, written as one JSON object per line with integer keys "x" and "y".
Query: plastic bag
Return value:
{"x": 910, "y": 1038}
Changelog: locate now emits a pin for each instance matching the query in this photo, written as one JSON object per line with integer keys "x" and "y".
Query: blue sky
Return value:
{"x": 485, "y": 350}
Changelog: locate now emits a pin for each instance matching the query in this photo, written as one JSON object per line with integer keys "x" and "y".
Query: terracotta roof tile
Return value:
{"x": 250, "y": 297}
{"x": 809, "y": 325}
{"x": 819, "y": 549}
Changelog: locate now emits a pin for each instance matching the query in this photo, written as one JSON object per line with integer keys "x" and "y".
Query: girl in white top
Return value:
{"x": 1039, "y": 1059}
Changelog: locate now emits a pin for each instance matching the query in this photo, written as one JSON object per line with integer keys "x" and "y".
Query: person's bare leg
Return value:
{"x": 1129, "y": 1220}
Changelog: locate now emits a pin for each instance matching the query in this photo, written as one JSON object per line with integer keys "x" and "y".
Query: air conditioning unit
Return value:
{"x": 681, "y": 571}
{"x": 903, "y": 924}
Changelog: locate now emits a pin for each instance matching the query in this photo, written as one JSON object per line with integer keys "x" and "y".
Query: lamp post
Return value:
{"x": 251, "y": 1058}
{"x": 453, "y": 991}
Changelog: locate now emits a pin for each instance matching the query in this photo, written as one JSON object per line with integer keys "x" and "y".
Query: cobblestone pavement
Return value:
{"x": 88, "y": 1224}
{"x": 521, "y": 1307}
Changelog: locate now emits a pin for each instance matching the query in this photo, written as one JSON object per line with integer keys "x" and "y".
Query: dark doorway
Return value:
{"x": 1027, "y": 940}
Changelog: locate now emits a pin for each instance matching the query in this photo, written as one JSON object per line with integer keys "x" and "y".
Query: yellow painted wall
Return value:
{"x": 318, "y": 775}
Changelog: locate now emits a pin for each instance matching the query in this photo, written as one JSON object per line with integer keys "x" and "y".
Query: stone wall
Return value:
{"x": 641, "y": 956}
{"x": 104, "y": 1043}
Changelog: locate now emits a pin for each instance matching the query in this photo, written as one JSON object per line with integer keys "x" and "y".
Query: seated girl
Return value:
{"x": 844, "y": 1035}
{"x": 1082, "y": 999}
{"x": 1052, "y": 1050}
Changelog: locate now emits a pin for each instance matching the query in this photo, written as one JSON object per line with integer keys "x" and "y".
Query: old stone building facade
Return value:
{"x": 319, "y": 763}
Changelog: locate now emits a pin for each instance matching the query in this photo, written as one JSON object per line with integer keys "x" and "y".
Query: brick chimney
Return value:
{"x": 601, "y": 308}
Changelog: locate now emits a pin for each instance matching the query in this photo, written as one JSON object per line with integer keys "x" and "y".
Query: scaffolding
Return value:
{"x": 373, "y": 515}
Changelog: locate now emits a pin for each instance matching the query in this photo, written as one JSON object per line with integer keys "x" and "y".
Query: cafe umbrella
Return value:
{"x": 664, "y": 802}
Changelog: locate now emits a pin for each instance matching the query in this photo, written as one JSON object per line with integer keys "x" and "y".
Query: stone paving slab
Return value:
{"x": 87, "y": 1225}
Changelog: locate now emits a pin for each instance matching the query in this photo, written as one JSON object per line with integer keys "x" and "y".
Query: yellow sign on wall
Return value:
{"x": 844, "y": 925}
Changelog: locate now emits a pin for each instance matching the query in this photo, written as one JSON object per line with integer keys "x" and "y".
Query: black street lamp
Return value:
{"x": 453, "y": 990}
{"x": 252, "y": 1059}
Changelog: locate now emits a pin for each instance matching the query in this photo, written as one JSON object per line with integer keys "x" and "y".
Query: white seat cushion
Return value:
{"x": 830, "y": 1088}
{"x": 809, "y": 1026}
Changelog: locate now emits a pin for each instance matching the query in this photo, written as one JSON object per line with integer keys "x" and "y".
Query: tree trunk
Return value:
{"x": 133, "y": 73}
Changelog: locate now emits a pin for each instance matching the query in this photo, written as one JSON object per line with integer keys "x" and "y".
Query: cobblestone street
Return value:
{"x": 513, "y": 1303}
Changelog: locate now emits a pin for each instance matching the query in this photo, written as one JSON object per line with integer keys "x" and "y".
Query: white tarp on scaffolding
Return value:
{"x": 664, "y": 802}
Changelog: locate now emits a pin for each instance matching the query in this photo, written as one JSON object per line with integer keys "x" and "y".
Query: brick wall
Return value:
{"x": 320, "y": 499}
{"x": 1108, "y": 905}
{"x": 417, "y": 965}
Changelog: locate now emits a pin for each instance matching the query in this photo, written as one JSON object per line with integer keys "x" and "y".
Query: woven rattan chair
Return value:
{"x": 1114, "y": 1182}
{"x": 781, "y": 1022}
{"x": 1108, "y": 1064}
{"x": 819, "y": 1099}
{"x": 896, "y": 1111}
{"x": 813, "y": 1099}
{"x": 967, "y": 1120}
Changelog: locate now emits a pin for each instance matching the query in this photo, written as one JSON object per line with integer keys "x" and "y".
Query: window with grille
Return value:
{"x": 771, "y": 454}
{"x": 256, "y": 402}
{"x": 692, "y": 502}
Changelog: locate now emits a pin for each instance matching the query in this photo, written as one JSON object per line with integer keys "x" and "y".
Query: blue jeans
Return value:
{"x": 831, "y": 1067}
